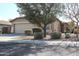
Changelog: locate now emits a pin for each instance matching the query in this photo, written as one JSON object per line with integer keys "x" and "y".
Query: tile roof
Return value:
{"x": 2, "y": 22}
{"x": 17, "y": 18}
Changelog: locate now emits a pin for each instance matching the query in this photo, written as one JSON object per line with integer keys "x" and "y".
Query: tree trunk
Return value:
{"x": 77, "y": 31}
{"x": 44, "y": 29}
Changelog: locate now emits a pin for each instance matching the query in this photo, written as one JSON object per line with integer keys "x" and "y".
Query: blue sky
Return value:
{"x": 8, "y": 11}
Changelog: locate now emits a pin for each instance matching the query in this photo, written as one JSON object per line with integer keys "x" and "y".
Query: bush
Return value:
{"x": 38, "y": 35}
{"x": 36, "y": 30}
{"x": 56, "y": 35}
{"x": 28, "y": 32}
{"x": 67, "y": 35}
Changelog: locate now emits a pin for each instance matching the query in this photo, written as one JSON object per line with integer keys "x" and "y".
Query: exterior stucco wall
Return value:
{"x": 56, "y": 26}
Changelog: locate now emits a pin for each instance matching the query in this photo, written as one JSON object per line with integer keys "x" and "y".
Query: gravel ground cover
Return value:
{"x": 37, "y": 50}
{"x": 24, "y": 46}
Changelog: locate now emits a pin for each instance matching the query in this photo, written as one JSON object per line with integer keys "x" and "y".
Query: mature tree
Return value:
{"x": 40, "y": 14}
{"x": 71, "y": 10}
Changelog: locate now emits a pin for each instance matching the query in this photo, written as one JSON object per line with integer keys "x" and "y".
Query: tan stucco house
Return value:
{"x": 20, "y": 24}
{"x": 5, "y": 26}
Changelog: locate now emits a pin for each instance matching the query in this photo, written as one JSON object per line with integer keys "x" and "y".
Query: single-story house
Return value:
{"x": 20, "y": 24}
{"x": 5, "y": 26}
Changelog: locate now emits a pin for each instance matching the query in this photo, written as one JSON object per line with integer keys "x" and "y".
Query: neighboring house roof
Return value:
{"x": 2, "y": 22}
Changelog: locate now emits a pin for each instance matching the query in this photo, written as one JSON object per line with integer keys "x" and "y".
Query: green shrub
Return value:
{"x": 38, "y": 35}
{"x": 55, "y": 35}
{"x": 36, "y": 30}
{"x": 67, "y": 35}
{"x": 28, "y": 32}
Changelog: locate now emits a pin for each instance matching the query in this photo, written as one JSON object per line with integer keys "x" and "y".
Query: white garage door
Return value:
{"x": 20, "y": 28}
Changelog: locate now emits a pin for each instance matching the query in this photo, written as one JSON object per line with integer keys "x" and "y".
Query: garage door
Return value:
{"x": 20, "y": 28}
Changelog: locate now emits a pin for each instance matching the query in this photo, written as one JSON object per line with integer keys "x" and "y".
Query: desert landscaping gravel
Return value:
{"x": 37, "y": 50}
{"x": 24, "y": 46}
